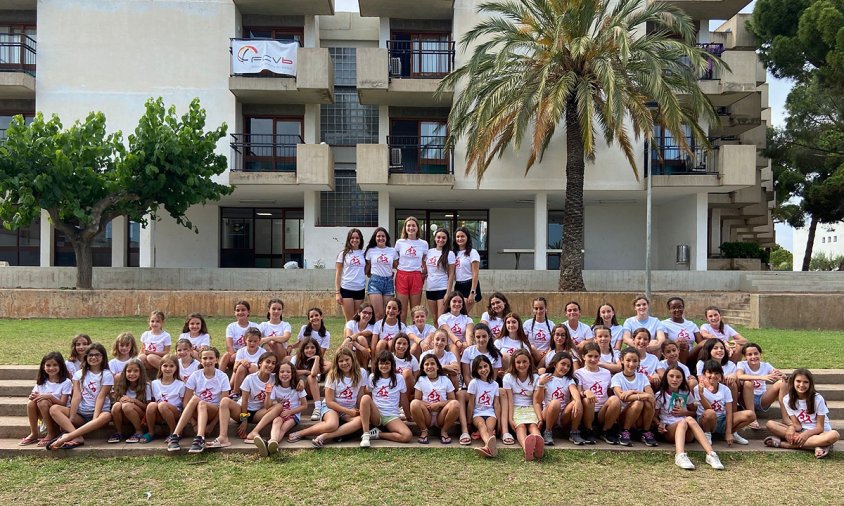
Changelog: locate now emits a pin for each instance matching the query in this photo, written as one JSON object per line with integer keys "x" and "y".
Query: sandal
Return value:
{"x": 772, "y": 442}
{"x": 71, "y": 445}
{"x": 476, "y": 436}
{"x": 115, "y": 438}
{"x": 145, "y": 438}
{"x": 755, "y": 425}
{"x": 465, "y": 439}
{"x": 423, "y": 437}
{"x": 445, "y": 439}
{"x": 508, "y": 439}
{"x": 44, "y": 441}
{"x": 28, "y": 440}
{"x": 218, "y": 444}
{"x": 134, "y": 438}
{"x": 294, "y": 438}
{"x": 484, "y": 451}
{"x": 822, "y": 451}
{"x": 317, "y": 442}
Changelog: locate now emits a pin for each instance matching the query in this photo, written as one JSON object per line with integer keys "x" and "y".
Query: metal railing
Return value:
{"x": 419, "y": 154}
{"x": 420, "y": 59}
{"x": 17, "y": 53}
{"x": 671, "y": 159}
{"x": 265, "y": 73}
{"x": 264, "y": 152}
{"x": 715, "y": 49}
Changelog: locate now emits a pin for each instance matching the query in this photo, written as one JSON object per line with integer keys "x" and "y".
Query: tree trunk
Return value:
{"x": 807, "y": 258}
{"x": 571, "y": 261}
{"x": 84, "y": 264}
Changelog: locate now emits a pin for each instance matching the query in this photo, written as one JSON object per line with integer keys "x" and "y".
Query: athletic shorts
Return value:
{"x": 352, "y": 294}
{"x": 464, "y": 287}
{"x": 408, "y": 282}
{"x": 435, "y": 295}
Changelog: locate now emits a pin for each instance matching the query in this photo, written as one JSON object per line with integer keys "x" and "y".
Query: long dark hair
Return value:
{"x": 706, "y": 352}
{"x": 663, "y": 384}
{"x": 490, "y": 345}
{"x": 309, "y": 329}
{"x": 810, "y": 394}
{"x": 373, "y": 244}
{"x": 600, "y": 321}
{"x": 443, "y": 261}
{"x": 94, "y": 347}
{"x": 348, "y": 246}
{"x": 42, "y": 376}
{"x": 385, "y": 356}
{"x": 468, "y": 248}
{"x": 720, "y": 323}
{"x": 504, "y": 312}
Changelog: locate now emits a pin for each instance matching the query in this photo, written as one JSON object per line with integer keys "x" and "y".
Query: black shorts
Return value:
{"x": 435, "y": 295}
{"x": 352, "y": 294}
{"x": 464, "y": 287}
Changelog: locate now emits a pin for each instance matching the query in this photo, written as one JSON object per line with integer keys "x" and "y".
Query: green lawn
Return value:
{"x": 26, "y": 341}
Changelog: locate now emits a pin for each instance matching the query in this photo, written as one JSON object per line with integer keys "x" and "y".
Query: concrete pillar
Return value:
{"x": 119, "y": 241}
{"x": 311, "y": 124}
{"x": 715, "y": 232}
{"x": 147, "y": 246}
{"x": 47, "y": 240}
{"x": 311, "y": 30}
{"x": 540, "y": 231}
{"x": 703, "y": 35}
{"x": 699, "y": 254}
{"x": 311, "y": 220}
{"x": 384, "y": 213}
{"x": 383, "y": 124}
{"x": 383, "y": 32}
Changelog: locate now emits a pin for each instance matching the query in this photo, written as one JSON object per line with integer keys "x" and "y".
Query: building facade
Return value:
{"x": 356, "y": 139}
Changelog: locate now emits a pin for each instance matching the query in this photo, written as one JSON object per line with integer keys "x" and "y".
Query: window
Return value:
{"x": 346, "y": 122}
{"x": 348, "y": 205}
{"x": 823, "y": 240}
{"x": 17, "y": 48}
{"x": 418, "y": 146}
{"x": 133, "y": 245}
{"x": 269, "y": 144}
{"x": 345, "y": 71}
{"x": 22, "y": 246}
{"x": 477, "y": 221}
{"x": 667, "y": 157}
{"x": 261, "y": 237}
{"x": 283, "y": 34}
{"x": 420, "y": 55}
{"x": 555, "y": 238}
{"x": 63, "y": 255}
{"x": 6, "y": 120}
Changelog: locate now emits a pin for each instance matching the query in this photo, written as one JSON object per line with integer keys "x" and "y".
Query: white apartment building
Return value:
{"x": 829, "y": 239}
{"x": 356, "y": 138}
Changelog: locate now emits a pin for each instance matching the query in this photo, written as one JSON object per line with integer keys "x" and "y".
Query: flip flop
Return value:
{"x": 28, "y": 440}
{"x": 70, "y": 445}
{"x": 539, "y": 449}
{"x": 822, "y": 452}
{"x": 754, "y": 425}
{"x": 423, "y": 440}
{"x": 294, "y": 438}
{"x": 772, "y": 442}
{"x": 484, "y": 451}
{"x": 317, "y": 442}
{"x": 50, "y": 443}
{"x": 445, "y": 439}
{"x": 44, "y": 441}
{"x": 145, "y": 438}
{"x": 492, "y": 444}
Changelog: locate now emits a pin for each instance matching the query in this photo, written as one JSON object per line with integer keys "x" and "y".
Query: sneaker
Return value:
{"x": 589, "y": 436}
{"x": 402, "y": 416}
{"x": 739, "y": 439}
{"x": 609, "y": 437}
{"x": 624, "y": 438}
{"x": 648, "y": 439}
{"x": 713, "y": 460}
{"x": 315, "y": 415}
{"x": 198, "y": 445}
{"x": 364, "y": 440}
{"x": 574, "y": 437}
{"x": 460, "y": 384}
{"x": 235, "y": 397}
{"x": 173, "y": 443}
{"x": 683, "y": 462}
{"x": 708, "y": 436}
{"x": 548, "y": 437}
{"x": 375, "y": 433}
{"x": 42, "y": 428}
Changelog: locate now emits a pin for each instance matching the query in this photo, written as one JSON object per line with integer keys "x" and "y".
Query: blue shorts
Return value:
{"x": 757, "y": 403}
{"x": 721, "y": 425}
{"x": 380, "y": 285}
{"x": 325, "y": 409}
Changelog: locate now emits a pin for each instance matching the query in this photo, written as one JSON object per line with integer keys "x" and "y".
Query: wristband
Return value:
{"x": 244, "y": 417}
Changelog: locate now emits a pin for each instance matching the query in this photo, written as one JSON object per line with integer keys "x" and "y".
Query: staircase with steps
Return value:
{"x": 738, "y": 313}
{"x": 785, "y": 282}
{"x": 16, "y": 383}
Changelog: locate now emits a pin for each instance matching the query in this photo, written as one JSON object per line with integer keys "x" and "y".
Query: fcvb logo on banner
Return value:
{"x": 255, "y": 56}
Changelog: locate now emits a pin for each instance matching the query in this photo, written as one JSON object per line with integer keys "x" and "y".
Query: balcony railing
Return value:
{"x": 420, "y": 59}
{"x": 671, "y": 159}
{"x": 265, "y": 152}
{"x": 415, "y": 154}
{"x": 17, "y": 53}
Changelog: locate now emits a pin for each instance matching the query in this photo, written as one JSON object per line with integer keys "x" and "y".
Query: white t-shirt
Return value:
{"x": 353, "y": 276}
{"x": 463, "y": 264}
{"x": 581, "y": 333}
{"x": 236, "y": 332}
{"x": 485, "y": 394}
{"x": 617, "y": 334}
{"x": 171, "y": 394}
{"x": 728, "y": 368}
{"x": 345, "y": 394}
{"x": 550, "y": 356}
{"x": 55, "y": 389}
{"x": 639, "y": 382}
{"x": 539, "y": 333}
{"x": 243, "y": 354}
{"x": 759, "y": 385}
{"x": 437, "y": 276}
{"x": 663, "y": 364}
{"x": 256, "y": 390}
{"x": 381, "y": 261}
{"x": 652, "y": 324}
{"x": 664, "y": 407}
{"x": 522, "y": 390}
{"x": 448, "y": 357}
{"x": 558, "y": 389}
{"x": 155, "y": 343}
{"x": 648, "y": 365}
{"x": 116, "y": 366}
{"x": 495, "y": 324}
{"x": 388, "y": 400}
{"x": 809, "y": 421}
{"x": 289, "y": 398}
{"x": 134, "y": 395}
{"x": 275, "y": 329}
{"x": 355, "y": 327}
{"x": 610, "y": 358}
{"x": 423, "y": 334}
{"x": 725, "y": 336}
{"x": 457, "y": 324}
{"x": 186, "y": 370}
{"x": 196, "y": 342}
{"x": 387, "y": 332}
{"x": 411, "y": 253}
{"x": 471, "y": 352}
{"x": 72, "y": 366}
{"x": 91, "y": 387}
{"x": 598, "y": 382}
{"x": 677, "y": 331}
{"x": 324, "y": 342}
{"x": 208, "y": 389}
{"x": 718, "y": 400}
{"x": 434, "y": 391}
{"x": 402, "y": 365}
{"x": 507, "y": 345}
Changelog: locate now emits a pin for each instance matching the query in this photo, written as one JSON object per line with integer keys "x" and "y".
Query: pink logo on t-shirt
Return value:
{"x": 642, "y": 370}
{"x": 683, "y": 335}
{"x": 164, "y": 398}
{"x": 383, "y": 392}
{"x": 151, "y": 347}
{"x": 717, "y": 406}
{"x": 496, "y": 330}
{"x": 411, "y": 252}
{"x": 387, "y": 337}
{"x": 540, "y": 336}
{"x": 559, "y": 393}
{"x": 355, "y": 261}
{"x": 260, "y": 396}
{"x": 285, "y": 404}
{"x": 92, "y": 386}
{"x": 524, "y": 392}
{"x": 346, "y": 393}
{"x": 206, "y": 395}
{"x": 456, "y": 330}
{"x": 239, "y": 341}
{"x": 804, "y": 417}
{"x": 457, "y": 262}
{"x": 432, "y": 261}
{"x": 399, "y": 370}
{"x": 434, "y": 396}
{"x": 597, "y": 388}
{"x": 382, "y": 259}
{"x": 511, "y": 351}
{"x": 485, "y": 399}
{"x": 757, "y": 384}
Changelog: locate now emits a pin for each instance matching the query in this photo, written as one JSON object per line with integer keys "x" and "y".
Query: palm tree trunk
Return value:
{"x": 807, "y": 258}
{"x": 571, "y": 262}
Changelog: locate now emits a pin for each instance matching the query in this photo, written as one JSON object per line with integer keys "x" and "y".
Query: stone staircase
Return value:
{"x": 787, "y": 282}
{"x": 16, "y": 383}
{"x": 738, "y": 313}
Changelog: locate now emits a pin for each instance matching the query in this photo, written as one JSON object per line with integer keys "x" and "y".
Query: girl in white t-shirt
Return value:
{"x": 380, "y": 261}
{"x": 715, "y": 328}
{"x": 434, "y": 403}
{"x": 538, "y": 330}
{"x": 316, "y": 329}
{"x": 715, "y": 349}
{"x": 411, "y": 269}
{"x": 466, "y": 267}
{"x": 607, "y": 318}
{"x": 90, "y": 403}
{"x": 609, "y": 356}
{"x": 132, "y": 393}
{"x": 357, "y": 334}
{"x": 52, "y": 386}
{"x": 755, "y": 376}
{"x": 406, "y": 364}
{"x": 285, "y": 405}
{"x": 449, "y": 362}
{"x": 350, "y": 274}
{"x": 684, "y": 332}
{"x": 421, "y": 329}
{"x": 252, "y": 406}
{"x": 593, "y": 381}
{"x": 715, "y": 406}
{"x": 671, "y": 354}
{"x": 155, "y": 342}
{"x": 124, "y": 348}
{"x": 167, "y": 394}
{"x": 519, "y": 411}
{"x": 457, "y": 323}
{"x": 184, "y": 356}
{"x": 382, "y": 408}
{"x": 648, "y": 362}
{"x": 634, "y": 391}
{"x": 484, "y": 406}
{"x": 676, "y": 412}
{"x": 78, "y": 345}
{"x": 560, "y": 341}
{"x": 234, "y": 333}
{"x": 559, "y": 399}
{"x": 386, "y": 329}
{"x": 579, "y": 331}
{"x": 195, "y": 330}
{"x": 246, "y": 360}
{"x": 641, "y": 305}
{"x": 441, "y": 262}
{"x": 496, "y": 310}
{"x": 203, "y": 392}
{"x": 511, "y": 337}
{"x": 808, "y": 414}
{"x": 309, "y": 365}
{"x": 483, "y": 346}
{"x": 275, "y": 332}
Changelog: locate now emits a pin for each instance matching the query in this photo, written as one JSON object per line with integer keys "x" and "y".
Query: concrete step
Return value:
{"x": 17, "y": 387}
{"x": 13, "y": 406}
{"x": 824, "y": 376}
{"x": 791, "y": 286}
{"x": 18, "y": 372}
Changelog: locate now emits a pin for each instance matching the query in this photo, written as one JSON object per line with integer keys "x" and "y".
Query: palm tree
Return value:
{"x": 584, "y": 64}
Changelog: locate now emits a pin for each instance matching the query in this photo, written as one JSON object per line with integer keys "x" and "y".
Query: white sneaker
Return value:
{"x": 315, "y": 414}
{"x": 714, "y": 462}
{"x": 374, "y": 433}
{"x": 739, "y": 440}
{"x": 682, "y": 461}
{"x": 708, "y": 436}
{"x": 364, "y": 441}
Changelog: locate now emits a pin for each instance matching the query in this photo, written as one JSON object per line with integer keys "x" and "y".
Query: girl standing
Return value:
{"x": 441, "y": 264}
{"x": 235, "y": 332}
{"x": 383, "y": 407}
{"x": 559, "y": 398}
{"x": 467, "y": 266}
{"x": 496, "y": 310}
{"x": 412, "y": 270}
{"x": 538, "y": 330}
{"x": 434, "y": 403}
{"x": 350, "y": 275}
{"x": 195, "y": 330}
{"x": 484, "y": 404}
{"x": 634, "y": 391}
{"x": 167, "y": 394}
{"x": 520, "y": 382}
{"x": 156, "y": 342}
{"x": 124, "y": 349}
{"x": 380, "y": 261}
{"x": 78, "y": 345}
{"x": 606, "y": 317}
{"x": 456, "y": 323}
{"x": 132, "y": 393}
{"x": 275, "y": 332}
{"x": 52, "y": 387}
{"x": 643, "y": 318}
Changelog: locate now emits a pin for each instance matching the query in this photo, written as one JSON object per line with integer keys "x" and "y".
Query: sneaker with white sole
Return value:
{"x": 574, "y": 437}
{"x": 198, "y": 445}
{"x": 364, "y": 440}
{"x": 374, "y": 433}
{"x": 548, "y": 438}
{"x": 315, "y": 415}
{"x": 173, "y": 443}
{"x": 714, "y": 462}
{"x": 683, "y": 462}
{"x": 708, "y": 436}
{"x": 739, "y": 439}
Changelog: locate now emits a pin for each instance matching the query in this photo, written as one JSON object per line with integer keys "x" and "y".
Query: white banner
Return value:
{"x": 254, "y": 56}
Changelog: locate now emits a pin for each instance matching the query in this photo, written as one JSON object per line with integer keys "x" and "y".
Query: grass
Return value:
{"x": 346, "y": 476}
{"x": 26, "y": 341}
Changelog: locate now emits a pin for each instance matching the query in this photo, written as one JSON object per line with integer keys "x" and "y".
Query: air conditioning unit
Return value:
{"x": 395, "y": 66}
{"x": 395, "y": 157}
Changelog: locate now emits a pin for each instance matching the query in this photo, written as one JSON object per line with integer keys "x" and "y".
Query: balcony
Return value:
{"x": 407, "y": 9}
{"x": 265, "y": 159}
{"x": 406, "y": 73}
{"x": 286, "y": 7}
{"x": 313, "y": 83}
{"x": 708, "y": 9}
{"x": 17, "y": 66}
{"x": 743, "y": 79}
{"x": 727, "y": 167}
{"x": 419, "y": 161}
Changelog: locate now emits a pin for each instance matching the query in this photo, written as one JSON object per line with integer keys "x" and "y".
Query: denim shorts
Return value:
{"x": 721, "y": 425}
{"x": 757, "y": 403}
{"x": 380, "y": 285}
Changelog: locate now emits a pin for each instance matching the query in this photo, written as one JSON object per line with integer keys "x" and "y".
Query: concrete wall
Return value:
{"x": 178, "y": 246}
{"x": 615, "y": 237}
{"x": 676, "y": 223}
{"x": 323, "y": 244}
{"x": 816, "y": 311}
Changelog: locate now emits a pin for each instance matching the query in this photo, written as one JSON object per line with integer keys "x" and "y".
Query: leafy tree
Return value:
{"x": 586, "y": 65}
{"x": 84, "y": 177}
{"x": 781, "y": 258}
{"x": 824, "y": 262}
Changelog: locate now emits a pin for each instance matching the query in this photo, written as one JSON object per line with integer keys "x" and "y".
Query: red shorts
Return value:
{"x": 409, "y": 282}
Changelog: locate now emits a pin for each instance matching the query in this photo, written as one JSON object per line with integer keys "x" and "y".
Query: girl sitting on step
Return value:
{"x": 168, "y": 390}
{"x": 52, "y": 387}
{"x": 132, "y": 393}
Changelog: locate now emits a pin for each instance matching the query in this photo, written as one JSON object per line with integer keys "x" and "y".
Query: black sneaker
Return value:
{"x": 610, "y": 437}
{"x": 198, "y": 445}
{"x": 589, "y": 436}
{"x": 173, "y": 443}
{"x": 624, "y": 438}
{"x": 574, "y": 437}
{"x": 648, "y": 439}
